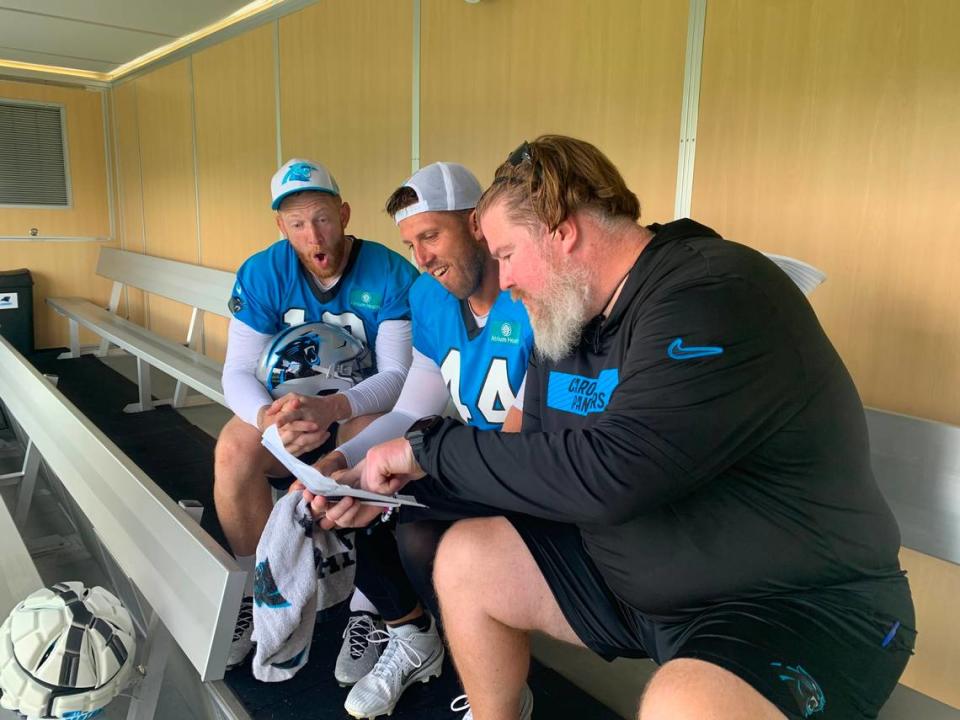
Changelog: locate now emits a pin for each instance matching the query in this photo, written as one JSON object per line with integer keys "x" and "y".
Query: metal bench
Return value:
{"x": 204, "y": 289}
{"x": 187, "y": 588}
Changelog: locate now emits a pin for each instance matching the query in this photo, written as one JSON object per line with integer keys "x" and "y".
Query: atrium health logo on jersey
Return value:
{"x": 504, "y": 331}
{"x": 581, "y": 395}
{"x": 299, "y": 172}
{"x": 803, "y": 687}
{"x": 366, "y": 299}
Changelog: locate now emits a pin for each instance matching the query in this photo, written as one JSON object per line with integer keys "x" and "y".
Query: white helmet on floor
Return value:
{"x": 65, "y": 652}
{"x": 312, "y": 359}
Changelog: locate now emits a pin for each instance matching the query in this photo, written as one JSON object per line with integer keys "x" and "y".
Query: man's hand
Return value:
{"x": 389, "y": 467}
{"x": 266, "y": 416}
{"x": 331, "y": 463}
{"x": 304, "y": 421}
{"x": 344, "y": 513}
{"x": 352, "y": 476}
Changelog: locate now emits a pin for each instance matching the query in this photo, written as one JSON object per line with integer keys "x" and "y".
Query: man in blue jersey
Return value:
{"x": 317, "y": 273}
{"x": 471, "y": 345}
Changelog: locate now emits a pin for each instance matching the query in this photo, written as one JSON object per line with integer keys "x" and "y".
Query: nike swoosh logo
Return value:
{"x": 677, "y": 351}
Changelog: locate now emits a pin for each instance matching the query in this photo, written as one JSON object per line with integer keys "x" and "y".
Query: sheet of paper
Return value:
{"x": 320, "y": 484}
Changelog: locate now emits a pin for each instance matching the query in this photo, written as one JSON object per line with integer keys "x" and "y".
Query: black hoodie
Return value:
{"x": 706, "y": 438}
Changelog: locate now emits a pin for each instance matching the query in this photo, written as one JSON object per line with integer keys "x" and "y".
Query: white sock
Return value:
{"x": 360, "y": 603}
{"x": 247, "y": 563}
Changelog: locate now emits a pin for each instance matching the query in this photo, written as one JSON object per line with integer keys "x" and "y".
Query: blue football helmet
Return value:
{"x": 313, "y": 359}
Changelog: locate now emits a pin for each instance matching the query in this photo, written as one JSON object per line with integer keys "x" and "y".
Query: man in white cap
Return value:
{"x": 471, "y": 345}
{"x": 316, "y": 273}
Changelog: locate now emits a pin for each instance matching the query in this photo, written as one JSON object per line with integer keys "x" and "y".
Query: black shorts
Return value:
{"x": 309, "y": 457}
{"x": 833, "y": 652}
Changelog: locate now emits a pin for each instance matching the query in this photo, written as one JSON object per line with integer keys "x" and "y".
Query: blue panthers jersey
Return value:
{"x": 482, "y": 367}
{"x": 273, "y": 291}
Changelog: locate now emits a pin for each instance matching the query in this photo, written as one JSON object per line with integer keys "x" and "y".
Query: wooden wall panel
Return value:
{"x": 129, "y": 193}
{"x": 609, "y": 72}
{"x": 345, "y": 85}
{"x": 58, "y": 269}
{"x": 936, "y": 585}
{"x": 236, "y": 155}
{"x": 89, "y": 215}
{"x": 165, "y": 116}
{"x": 828, "y": 132}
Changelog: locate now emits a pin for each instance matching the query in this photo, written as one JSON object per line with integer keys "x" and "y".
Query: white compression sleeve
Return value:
{"x": 379, "y": 392}
{"x": 245, "y": 394}
{"x": 424, "y": 393}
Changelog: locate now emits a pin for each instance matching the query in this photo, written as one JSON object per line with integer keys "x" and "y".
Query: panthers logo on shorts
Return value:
{"x": 803, "y": 687}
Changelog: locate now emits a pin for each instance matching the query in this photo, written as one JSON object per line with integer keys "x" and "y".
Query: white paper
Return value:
{"x": 320, "y": 484}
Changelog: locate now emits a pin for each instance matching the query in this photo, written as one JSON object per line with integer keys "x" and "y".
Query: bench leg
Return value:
{"x": 143, "y": 383}
{"x": 74, "y": 328}
{"x": 159, "y": 643}
{"x": 31, "y": 467}
{"x": 179, "y": 395}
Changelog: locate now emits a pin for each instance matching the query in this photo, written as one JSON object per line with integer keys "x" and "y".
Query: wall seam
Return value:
{"x": 415, "y": 93}
{"x": 276, "y": 90}
{"x": 143, "y": 210}
{"x": 690, "y": 109}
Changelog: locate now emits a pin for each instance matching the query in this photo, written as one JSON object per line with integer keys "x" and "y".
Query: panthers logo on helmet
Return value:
{"x": 65, "y": 652}
{"x": 313, "y": 359}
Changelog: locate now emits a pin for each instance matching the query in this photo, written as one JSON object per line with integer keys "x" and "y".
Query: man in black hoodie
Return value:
{"x": 692, "y": 483}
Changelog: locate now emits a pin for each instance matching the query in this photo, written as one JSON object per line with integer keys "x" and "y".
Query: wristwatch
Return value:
{"x": 420, "y": 431}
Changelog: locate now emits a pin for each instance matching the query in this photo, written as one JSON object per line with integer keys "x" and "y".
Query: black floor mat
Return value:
{"x": 178, "y": 456}
{"x": 314, "y": 692}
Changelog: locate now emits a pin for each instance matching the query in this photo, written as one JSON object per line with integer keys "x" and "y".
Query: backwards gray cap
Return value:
{"x": 441, "y": 187}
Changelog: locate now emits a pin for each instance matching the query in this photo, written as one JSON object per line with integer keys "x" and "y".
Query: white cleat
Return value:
{"x": 242, "y": 634}
{"x": 460, "y": 703}
{"x": 410, "y": 656}
{"x": 357, "y": 654}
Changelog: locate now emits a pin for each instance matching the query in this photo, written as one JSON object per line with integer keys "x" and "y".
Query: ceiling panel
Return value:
{"x": 100, "y": 35}
{"x": 41, "y": 58}
{"x": 68, "y": 37}
{"x": 169, "y": 17}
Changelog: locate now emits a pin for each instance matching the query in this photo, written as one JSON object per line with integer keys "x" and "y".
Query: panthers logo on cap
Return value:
{"x": 298, "y": 172}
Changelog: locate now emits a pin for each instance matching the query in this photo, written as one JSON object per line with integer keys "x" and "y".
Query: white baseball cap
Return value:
{"x": 442, "y": 187}
{"x": 297, "y": 175}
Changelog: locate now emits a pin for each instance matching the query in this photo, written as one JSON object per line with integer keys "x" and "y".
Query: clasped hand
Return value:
{"x": 303, "y": 421}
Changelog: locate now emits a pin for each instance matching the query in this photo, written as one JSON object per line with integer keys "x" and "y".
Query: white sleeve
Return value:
{"x": 245, "y": 395}
{"x": 518, "y": 400}
{"x": 424, "y": 393}
{"x": 379, "y": 392}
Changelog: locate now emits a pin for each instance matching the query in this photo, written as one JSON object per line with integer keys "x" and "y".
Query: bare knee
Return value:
{"x": 238, "y": 452}
{"x": 689, "y": 689}
{"x": 486, "y": 564}
{"x": 455, "y": 567}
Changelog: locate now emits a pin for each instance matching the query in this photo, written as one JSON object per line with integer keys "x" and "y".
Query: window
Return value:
{"x": 33, "y": 157}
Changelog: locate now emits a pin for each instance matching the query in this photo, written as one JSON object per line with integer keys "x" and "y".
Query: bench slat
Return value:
{"x": 189, "y": 580}
{"x": 195, "y": 369}
{"x": 195, "y": 285}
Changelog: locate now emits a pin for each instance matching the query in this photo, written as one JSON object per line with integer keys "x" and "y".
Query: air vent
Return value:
{"x": 33, "y": 157}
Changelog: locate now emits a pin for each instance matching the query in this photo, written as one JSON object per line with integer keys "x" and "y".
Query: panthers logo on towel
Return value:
{"x": 265, "y": 591}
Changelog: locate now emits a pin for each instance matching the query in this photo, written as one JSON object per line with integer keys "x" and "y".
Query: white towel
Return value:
{"x": 285, "y": 598}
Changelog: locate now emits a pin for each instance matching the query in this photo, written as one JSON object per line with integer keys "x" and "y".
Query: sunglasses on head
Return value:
{"x": 520, "y": 155}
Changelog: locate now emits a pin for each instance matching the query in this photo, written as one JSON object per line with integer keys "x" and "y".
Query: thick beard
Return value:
{"x": 558, "y": 318}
